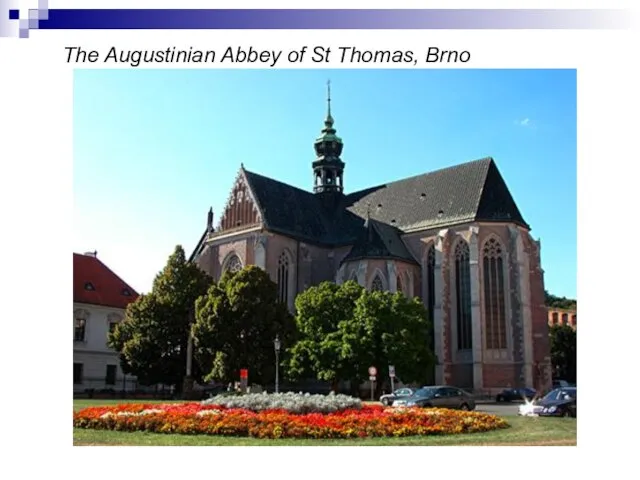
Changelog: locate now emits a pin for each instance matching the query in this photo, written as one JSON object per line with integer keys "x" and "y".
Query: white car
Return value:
{"x": 528, "y": 409}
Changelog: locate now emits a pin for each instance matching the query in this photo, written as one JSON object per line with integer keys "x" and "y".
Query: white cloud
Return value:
{"x": 525, "y": 122}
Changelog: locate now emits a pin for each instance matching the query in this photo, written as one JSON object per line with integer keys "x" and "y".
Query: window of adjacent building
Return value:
{"x": 494, "y": 297}
{"x": 283, "y": 278}
{"x": 79, "y": 330}
{"x": 399, "y": 286}
{"x": 565, "y": 319}
{"x": 554, "y": 318}
{"x": 112, "y": 326}
{"x": 110, "y": 378}
{"x": 377, "y": 285}
{"x": 463, "y": 295}
{"x": 575, "y": 318}
{"x": 77, "y": 373}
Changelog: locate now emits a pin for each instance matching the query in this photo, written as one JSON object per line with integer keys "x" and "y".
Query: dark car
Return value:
{"x": 389, "y": 398}
{"x": 562, "y": 402}
{"x": 439, "y": 397}
{"x": 513, "y": 394}
{"x": 558, "y": 383}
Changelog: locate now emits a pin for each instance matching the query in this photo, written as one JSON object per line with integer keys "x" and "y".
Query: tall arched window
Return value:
{"x": 494, "y": 299}
{"x": 399, "y": 286}
{"x": 283, "y": 278}
{"x": 431, "y": 280}
{"x": 377, "y": 285}
{"x": 354, "y": 276}
{"x": 233, "y": 264}
{"x": 463, "y": 295}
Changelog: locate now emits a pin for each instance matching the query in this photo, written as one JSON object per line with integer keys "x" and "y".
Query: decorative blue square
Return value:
{"x": 14, "y": 14}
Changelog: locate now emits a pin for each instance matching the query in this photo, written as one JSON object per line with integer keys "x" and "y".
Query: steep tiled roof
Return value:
{"x": 472, "y": 191}
{"x": 290, "y": 210}
{"x": 94, "y": 283}
{"x": 378, "y": 240}
{"x": 463, "y": 193}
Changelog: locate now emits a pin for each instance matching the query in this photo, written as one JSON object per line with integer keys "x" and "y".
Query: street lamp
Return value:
{"x": 276, "y": 346}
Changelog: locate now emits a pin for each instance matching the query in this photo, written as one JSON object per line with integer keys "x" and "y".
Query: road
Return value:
{"x": 501, "y": 409}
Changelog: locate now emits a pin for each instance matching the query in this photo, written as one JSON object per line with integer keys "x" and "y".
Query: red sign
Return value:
{"x": 244, "y": 373}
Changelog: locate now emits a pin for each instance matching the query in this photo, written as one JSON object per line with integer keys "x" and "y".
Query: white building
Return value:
{"x": 100, "y": 298}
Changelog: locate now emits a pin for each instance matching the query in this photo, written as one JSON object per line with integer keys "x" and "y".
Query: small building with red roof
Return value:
{"x": 100, "y": 298}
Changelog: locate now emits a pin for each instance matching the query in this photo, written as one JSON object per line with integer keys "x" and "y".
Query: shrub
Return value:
{"x": 298, "y": 403}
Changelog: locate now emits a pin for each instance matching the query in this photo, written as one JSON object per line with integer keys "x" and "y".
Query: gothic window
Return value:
{"x": 494, "y": 295}
{"x": 463, "y": 295}
{"x": 283, "y": 278}
{"x": 431, "y": 280}
{"x": 399, "y": 286}
{"x": 377, "y": 285}
{"x": 233, "y": 264}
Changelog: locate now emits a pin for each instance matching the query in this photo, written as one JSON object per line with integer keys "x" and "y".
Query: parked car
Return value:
{"x": 558, "y": 383}
{"x": 561, "y": 402}
{"x": 389, "y": 398}
{"x": 512, "y": 394}
{"x": 564, "y": 403}
{"x": 439, "y": 397}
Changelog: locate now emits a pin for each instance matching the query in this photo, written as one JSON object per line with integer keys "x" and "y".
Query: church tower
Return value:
{"x": 328, "y": 167}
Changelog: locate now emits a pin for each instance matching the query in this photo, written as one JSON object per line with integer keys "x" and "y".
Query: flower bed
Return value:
{"x": 291, "y": 402}
{"x": 368, "y": 421}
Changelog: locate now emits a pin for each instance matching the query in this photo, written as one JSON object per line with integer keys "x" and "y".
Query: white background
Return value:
{"x": 36, "y": 212}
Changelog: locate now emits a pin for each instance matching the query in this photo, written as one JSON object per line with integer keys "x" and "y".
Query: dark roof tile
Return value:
{"x": 472, "y": 191}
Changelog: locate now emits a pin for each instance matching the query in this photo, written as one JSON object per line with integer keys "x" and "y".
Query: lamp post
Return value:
{"x": 276, "y": 346}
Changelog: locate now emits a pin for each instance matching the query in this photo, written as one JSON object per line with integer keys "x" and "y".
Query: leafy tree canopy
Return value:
{"x": 560, "y": 302}
{"x": 345, "y": 329}
{"x": 152, "y": 339}
{"x": 236, "y": 323}
{"x": 563, "y": 345}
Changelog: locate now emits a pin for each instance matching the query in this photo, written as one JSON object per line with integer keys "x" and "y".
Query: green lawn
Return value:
{"x": 523, "y": 431}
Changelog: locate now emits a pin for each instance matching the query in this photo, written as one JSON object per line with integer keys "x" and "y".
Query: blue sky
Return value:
{"x": 154, "y": 149}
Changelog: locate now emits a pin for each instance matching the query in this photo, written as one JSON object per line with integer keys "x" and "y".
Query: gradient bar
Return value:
{"x": 352, "y": 19}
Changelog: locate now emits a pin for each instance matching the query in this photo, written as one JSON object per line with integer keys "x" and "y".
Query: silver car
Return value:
{"x": 439, "y": 397}
{"x": 389, "y": 398}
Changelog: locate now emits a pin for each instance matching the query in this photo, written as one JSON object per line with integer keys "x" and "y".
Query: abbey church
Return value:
{"x": 454, "y": 237}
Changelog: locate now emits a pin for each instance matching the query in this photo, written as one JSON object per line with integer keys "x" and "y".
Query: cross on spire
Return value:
{"x": 329, "y": 98}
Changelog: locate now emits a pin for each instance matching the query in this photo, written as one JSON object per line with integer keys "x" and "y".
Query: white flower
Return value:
{"x": 203, "y": 413}
{"x": 292, "y": 402}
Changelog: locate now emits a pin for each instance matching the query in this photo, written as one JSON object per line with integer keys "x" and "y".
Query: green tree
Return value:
{"x": 236, "y": 323}
{"x": 560, "y": 302}
{"x": 392, "y": 329}
{"x": 345, "y": 329}
{"x": 152, "y": 339}
{"x": 563, "y": 345}
{"x": 321, "y": 314}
